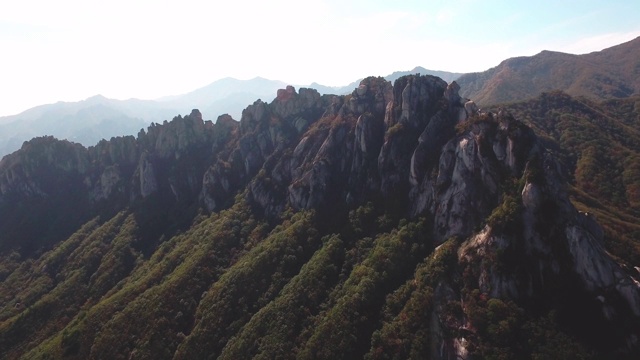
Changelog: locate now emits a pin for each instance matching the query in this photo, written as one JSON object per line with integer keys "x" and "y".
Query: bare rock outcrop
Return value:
{"x": 414, "y": 149}
{"x": 265, "y": 131}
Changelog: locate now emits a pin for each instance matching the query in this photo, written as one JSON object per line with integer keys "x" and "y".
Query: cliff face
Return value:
{"x": 76, "y": 184}
{"x": 480, "y": 185}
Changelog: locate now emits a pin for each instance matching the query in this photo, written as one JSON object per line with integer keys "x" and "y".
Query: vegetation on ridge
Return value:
{"x": 599, "y": 146}
{"x": 314, "y": 245}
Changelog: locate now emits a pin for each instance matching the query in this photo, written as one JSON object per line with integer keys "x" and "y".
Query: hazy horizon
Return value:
{"x": 71, "y": 50}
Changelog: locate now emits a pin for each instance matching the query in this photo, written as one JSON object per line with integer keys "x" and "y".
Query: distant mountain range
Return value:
{"x": 343, "y": 90}
{"x": 607, "y": 74}
{"x": 98, "y": 117}
{"x": 86, "y": 121}
{"x": 395, "y": 222}
{"x": 224, "y": 96}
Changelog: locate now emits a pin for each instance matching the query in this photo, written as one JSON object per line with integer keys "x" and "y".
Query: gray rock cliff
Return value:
{"x": 415, "y": 148}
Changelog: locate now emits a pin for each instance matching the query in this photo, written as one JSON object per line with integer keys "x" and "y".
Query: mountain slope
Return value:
{"x": 599, "y": 144}
{"x": 610, "y": 73}
{"x": 86, "y": 122}
{"x": 388, "y": 223}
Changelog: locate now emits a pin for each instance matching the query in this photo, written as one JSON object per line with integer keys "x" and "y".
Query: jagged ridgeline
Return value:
{"x": 396, "y": 222}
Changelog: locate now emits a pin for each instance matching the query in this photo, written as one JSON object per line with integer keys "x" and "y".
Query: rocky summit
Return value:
{"x": 400, "y": 221}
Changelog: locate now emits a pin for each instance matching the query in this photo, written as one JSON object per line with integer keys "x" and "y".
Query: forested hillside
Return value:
{"x": 395, "y": 222}
{"x": 613, "y": 73}
{"x": 599, "y": 145}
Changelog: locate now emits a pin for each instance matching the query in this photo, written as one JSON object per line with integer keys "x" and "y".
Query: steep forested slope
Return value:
{"x": 599, "y": 145}
{"x": 389, "y": 223}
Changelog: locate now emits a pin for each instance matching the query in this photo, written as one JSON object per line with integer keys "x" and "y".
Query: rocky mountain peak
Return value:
{"x": 290, "y": 103}
{"x": 196, "y": 114}
{"x": 285, "y": 94}
{"x": 484, "y": 198}
{"x": 372, "y": 95}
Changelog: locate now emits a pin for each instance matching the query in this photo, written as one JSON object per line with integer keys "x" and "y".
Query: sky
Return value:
{"x": 69, "y": 50}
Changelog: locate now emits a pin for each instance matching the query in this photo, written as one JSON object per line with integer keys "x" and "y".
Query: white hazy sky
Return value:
{"x": 68, "y": 50}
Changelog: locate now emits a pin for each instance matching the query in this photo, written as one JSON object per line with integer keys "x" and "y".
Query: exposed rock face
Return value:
{"x": 412, "y": 157}
{"x": 416, "y": 149}
{"x": 369, "y": 136}
{"x": 109, "y": 180}
{"x": 175, "y": 137}
{"x": 556, "y": 245}
{"x": 371, "y": 96}
{"x": 416, "y": 101}
{"x": 148, "y": 181}
{"x": 168, "y": 161}
{"x": 23, "y": 171}
{"x": 471, "y": 108}
{"x": 363, "y": 149}
{"x": 266, "y": 131}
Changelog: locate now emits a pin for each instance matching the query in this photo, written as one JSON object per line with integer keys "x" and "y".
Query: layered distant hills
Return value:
{"x": 610, "y": 73}
{"x": 224, "y": 96}
{"x": 607, "y": 74}
{"x": 96, "y": 118}
{"x": 86, "y": 121}
{"x": 397, "y": 221}
{"x": 393, "y": 222}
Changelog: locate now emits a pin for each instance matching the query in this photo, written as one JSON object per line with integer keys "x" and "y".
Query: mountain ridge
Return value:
{"x": 610, "y": 73}
{"x": 126, "y": 117}
{"x": 399, "y": 215}
{"x": 597, "y": 144}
